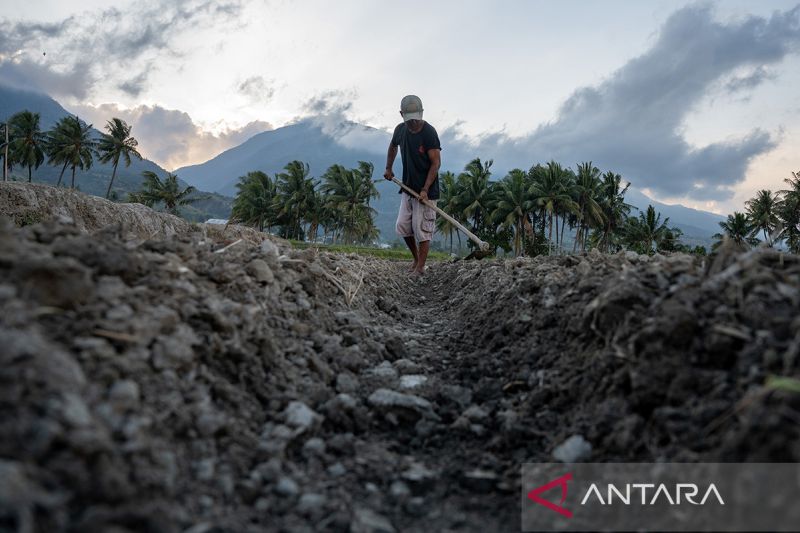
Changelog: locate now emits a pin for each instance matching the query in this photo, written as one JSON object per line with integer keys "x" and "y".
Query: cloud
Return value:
{"x": 257, "y": 89}
{"x": 98, "y": 45}
{"x": 332, "y": 112}
{"x": 749, "y": 81}
{"x": 136, "y": 85}
{"x": 27, "y": 75}
{"x": 632, "y": 121}
{"x": 169, "y": 136}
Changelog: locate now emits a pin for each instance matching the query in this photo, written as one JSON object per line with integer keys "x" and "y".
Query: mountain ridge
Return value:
{"x": 308, "y": 141}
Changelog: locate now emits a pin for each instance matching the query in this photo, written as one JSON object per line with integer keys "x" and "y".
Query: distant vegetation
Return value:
{"x": 544, "y": 210}
{"x": 297, "y": 206}
{"x": 71, "y": 145}
{"x": 773, "y": 215}
{"x": 525, "y": 213}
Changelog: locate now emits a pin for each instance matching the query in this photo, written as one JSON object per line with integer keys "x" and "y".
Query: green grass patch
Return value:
{"x": 392, "y": 254}
{"x": 783, "y": 383}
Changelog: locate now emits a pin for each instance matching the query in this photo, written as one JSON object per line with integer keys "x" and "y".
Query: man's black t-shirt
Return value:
{"x": 414, "y": 151}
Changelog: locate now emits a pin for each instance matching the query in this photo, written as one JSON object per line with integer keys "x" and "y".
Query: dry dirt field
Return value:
{"x": 201, "y": 381}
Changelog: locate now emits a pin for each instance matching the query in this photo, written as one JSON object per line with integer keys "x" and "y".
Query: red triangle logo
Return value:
{"x": 562, "y": 482}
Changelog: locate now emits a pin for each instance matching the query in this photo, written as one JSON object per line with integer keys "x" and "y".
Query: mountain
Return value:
{"x": 312, "y": 142}
{"x": 320, "y": 144}
{"x": 270, "y": 151}
{"x": 95, "y": 180}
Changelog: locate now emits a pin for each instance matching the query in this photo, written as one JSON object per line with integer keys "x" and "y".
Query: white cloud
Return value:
{"x": 168, "y": 136}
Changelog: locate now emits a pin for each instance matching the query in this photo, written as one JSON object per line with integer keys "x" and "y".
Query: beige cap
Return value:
{"x": 411, "y": 108}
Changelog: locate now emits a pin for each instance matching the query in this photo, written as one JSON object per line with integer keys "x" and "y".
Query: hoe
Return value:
{"x": 483, "y": 246}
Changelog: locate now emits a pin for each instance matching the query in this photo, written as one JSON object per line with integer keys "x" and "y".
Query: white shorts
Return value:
{"x": 415, "y": 219}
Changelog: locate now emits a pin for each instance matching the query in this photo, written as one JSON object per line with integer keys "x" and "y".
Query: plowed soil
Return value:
{"x": 207, "y": 383}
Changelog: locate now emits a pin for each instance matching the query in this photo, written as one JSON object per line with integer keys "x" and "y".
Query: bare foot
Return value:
{"x": 413, "y": 267}
{"x": 417, "y": 273}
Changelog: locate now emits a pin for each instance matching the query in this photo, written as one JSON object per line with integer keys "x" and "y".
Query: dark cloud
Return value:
{"x": 27, "y": 75}
{"x": 335, "y": 102}
{"x": 632, "y": 122}
{"x": 170, "y": 137}
{"x": 257, "y": 88}
{"x": 331, "y": 111}
{"x": 108, "y": 42}
{"x": 750, "y": 81}
{"x": 136, "y": 85}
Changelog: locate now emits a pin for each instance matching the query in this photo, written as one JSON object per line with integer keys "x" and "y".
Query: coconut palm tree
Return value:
{"x": 587, "y": 190}
{"x": 645, "y": 233}
{"x": 738, "y": 229}
{"x": 55, "y": 145}
{"x": 550, "y": 192}
{"x": 70, "y": 142}
{"x": 255, "y": 203}
{"x": 615, "y": 211}
{"x": 155, "y": 190}
{"x": 116, "y": 144}
{"x": 295, "y": 191}
{"x": 513, "y": 204}
{"x": 347, "y": 194}
{"x": 448, "y": 191}
{"x": 789, "y": 212}
{"x": 26, "y": 141}
{"x": 762, "y": 212}
{"x": 474, "y": 196}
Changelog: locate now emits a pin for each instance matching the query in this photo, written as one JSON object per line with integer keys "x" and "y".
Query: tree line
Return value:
{"x": 543, "y": 210}
{"x": 550, "y": 209}
{"x": 68, "y": 144}
{"x": 298, "y": 206}
{"x": 71, "y": 144}
{"x": 547, "y": 209}
{"x": 526, "y": 212}
{"x": 773, "y": 215}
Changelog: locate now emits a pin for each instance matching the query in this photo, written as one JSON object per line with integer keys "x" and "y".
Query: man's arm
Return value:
{"x": 390, "y": 155}
{"x": 435, "y": 156}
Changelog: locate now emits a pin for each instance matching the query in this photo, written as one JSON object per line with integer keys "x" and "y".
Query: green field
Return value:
{"x": 392, "y": 254}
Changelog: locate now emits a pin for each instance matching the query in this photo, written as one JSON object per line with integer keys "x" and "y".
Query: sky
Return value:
{"x": 694, "y": 102}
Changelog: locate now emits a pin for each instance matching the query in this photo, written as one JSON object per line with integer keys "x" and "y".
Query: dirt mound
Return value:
{"x": 166, "y": 384}
{"x": 150, "y": 385}
{"x": 645, "y": 358}
{"x": 31, "y": 203}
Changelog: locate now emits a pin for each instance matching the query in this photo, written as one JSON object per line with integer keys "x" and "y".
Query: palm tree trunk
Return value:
{"x": 543, "y": 216}
{"x": 557, "y": 243}
{"x": 30, "y": 175}
{"x": 550, "y": 237}
{"x": 73, "y": 178}
{"x": 62, "y": 174}
{"x": 578, "y": 234}
{"x": 113, "y": 175}
{"x": 563, "y": 226}
{"x": 585, "y": 238}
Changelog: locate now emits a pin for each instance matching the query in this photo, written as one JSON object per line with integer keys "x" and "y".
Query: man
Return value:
{"x": 420, "y": 149}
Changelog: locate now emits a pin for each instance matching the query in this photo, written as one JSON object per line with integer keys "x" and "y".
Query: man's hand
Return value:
{"x": 388, "y": 174}
{"x": 423, "y": 195}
